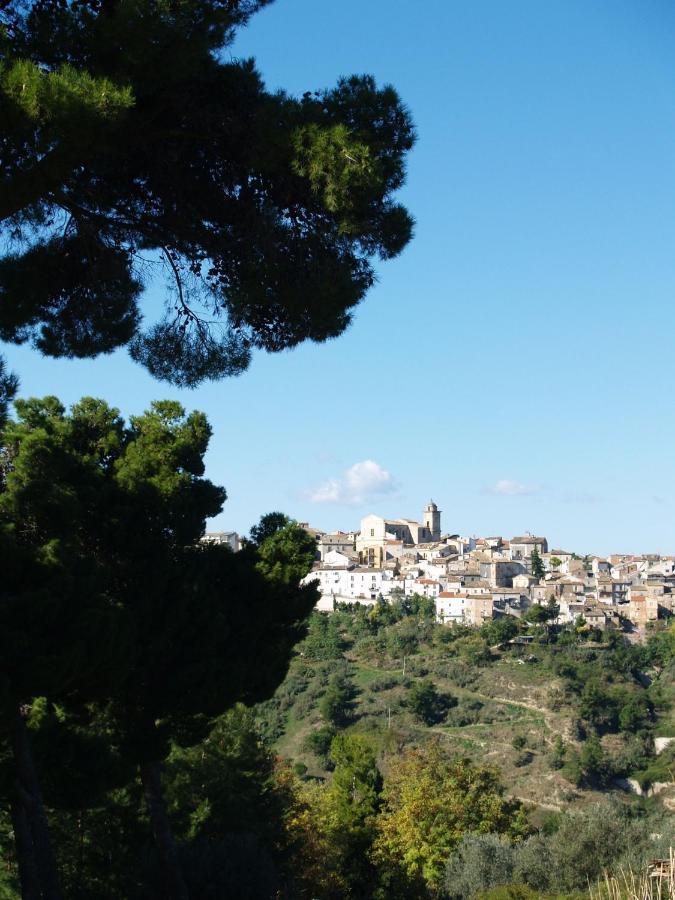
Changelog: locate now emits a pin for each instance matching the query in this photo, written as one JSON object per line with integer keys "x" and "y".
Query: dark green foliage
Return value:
{"x": 9, "y": 384}
{"x": 539, "y": 614}
{"x": 57, "y": 597}
{"x": 537, "y": 564}
{"x": 112, "y": 608}
{"x": 224, "y": 784}
{"x": 593, "y": 762}
{"x": 354, "y": 796}
{"x": 403, "y": 638}
{"x": 319, "y": 742}
{"x": 264, "y": 210}
{"x": 660, "y": 649}
{"x": 498, "y": 631}
{"x": 635, "y": 714}
{"x": 647, "y": 770}
{"x": 336, "y": 704}
{"x": 598, "y": 707}
{"x": 414, "y": 605}
{"x": 237, "y": 866}
{"x": 426, "y": 703}
{"x": 268, "y": 526}
{"x": 323, "y": 641}
{"x": 69, "y": 296}
{"x": 557, "y": 755}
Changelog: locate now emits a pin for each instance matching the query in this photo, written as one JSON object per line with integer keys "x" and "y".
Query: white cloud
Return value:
{"x": 358, "y": 485}
{"x": 506, "y": 487}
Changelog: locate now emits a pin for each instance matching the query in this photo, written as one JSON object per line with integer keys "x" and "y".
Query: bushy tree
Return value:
{"x": 319, "y": 743}
{"x": 353, "y": 798}
{"x": 430, "y": 801}
{"x": 598, "y": 707}
{"x": 264, "y": 210}
{"x": 587, "y": 842}
{"x": 635, "y": 714}
{"x": 473, "y": 649}
{"x": 403, "y": 638}
{"x": 498, "y": 631}
{"x": 426, "y": 703}
{"x": 336, "y": 704}
{"x": 323, "y": 641}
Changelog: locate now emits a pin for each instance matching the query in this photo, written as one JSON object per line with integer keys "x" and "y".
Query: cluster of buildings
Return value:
{"x": 472, "y": 579}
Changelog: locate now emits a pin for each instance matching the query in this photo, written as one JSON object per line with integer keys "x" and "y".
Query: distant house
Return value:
{"x": 231, "y": 538}
{"x": 427, "y": 587}
{"x": 336, "y": 540}
{"x": 450, "y": 607}
{"x": 642, "y": 608}
{"x": 479, "y": 608}
{"x": 501, "y": 572}
{"x": 522, "y": 547}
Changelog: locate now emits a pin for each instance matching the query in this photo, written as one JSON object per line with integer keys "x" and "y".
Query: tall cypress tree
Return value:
{"x": 537, "y": 564}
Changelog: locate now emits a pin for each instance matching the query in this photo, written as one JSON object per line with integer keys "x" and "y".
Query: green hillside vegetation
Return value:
{"x": 555, "y": 714}
{"x": 562, "y": 715}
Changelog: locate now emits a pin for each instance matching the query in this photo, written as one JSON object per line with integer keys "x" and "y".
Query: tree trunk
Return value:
{"x": 174, "y": 883}
{"x": 28, "y": 788}
{"x": 25, "y": 852}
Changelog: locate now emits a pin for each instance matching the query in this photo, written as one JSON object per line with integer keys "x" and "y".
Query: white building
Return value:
{"x": 450, "y": 607}
{"x": 351, "y": 584}
{"x": 231, "y": 538}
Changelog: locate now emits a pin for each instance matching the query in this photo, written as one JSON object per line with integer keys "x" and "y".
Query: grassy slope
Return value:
{"x": 519, "y": 700}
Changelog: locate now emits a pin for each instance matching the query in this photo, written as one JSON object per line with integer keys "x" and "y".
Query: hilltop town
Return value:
{"x": 474, "y": 579}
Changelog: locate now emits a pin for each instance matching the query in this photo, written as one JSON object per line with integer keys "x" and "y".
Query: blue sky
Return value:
{"x": 516, "y": 362}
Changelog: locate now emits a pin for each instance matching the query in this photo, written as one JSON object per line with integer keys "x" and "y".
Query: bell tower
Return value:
{"x": 432, "y": 519}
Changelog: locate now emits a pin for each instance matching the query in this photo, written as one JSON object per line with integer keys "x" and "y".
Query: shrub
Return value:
{"x": 385, "y": 683}
{"x": 481, "y": 861}
{"x": 318, "y": 742}
{"x": 556, "y": 759}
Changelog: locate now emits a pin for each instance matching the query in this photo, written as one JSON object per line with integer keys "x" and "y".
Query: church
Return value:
{"x": 380, "y": 539}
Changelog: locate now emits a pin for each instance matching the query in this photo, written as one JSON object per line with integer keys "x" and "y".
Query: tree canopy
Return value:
{"x": 430, "y": 802}
{"x": 263, "y": 211}
{"x": 112, "y": 608}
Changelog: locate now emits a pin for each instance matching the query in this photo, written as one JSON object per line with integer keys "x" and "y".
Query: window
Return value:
{"x": 372, "y": 532}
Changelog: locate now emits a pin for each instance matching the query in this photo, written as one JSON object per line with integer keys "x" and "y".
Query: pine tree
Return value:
{"x": 109, "y": 600}
{"x": 264, "y": 210}
{"x": 63, "y": 634}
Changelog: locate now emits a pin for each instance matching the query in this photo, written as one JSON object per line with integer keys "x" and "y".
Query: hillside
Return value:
{"x": 564, "y": 716}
